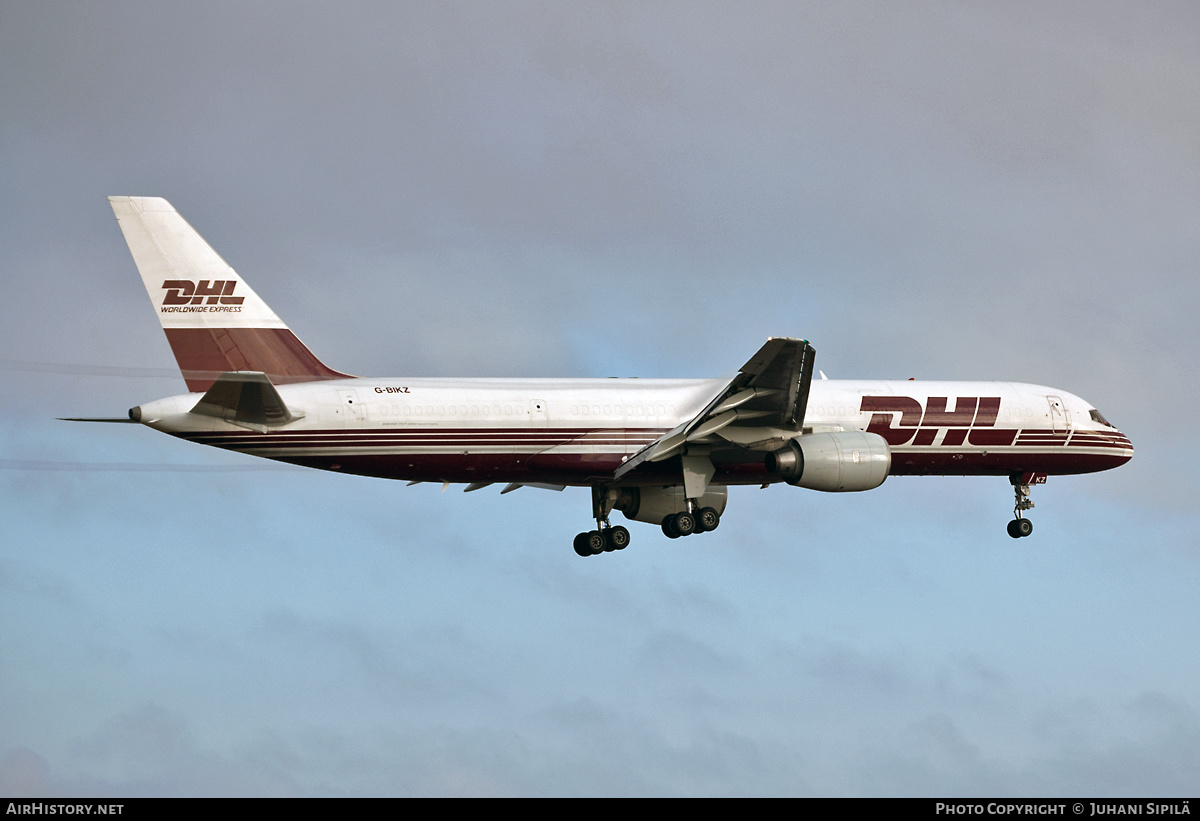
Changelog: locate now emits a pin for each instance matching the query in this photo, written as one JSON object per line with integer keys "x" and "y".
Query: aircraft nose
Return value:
{"x": 1126, "y": 447}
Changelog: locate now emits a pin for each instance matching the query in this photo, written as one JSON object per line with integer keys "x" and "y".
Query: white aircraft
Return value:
{"x": 662, "y": 451}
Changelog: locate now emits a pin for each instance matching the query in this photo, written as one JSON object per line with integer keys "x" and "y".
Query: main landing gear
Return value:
{"x": 697, "y": 472}
{"x": 685, "y": 524}
{"x": 1020, "y": 527}
{"x": 605, "y": 538}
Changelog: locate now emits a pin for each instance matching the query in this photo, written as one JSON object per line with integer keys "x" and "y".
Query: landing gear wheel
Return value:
{"x": 596, "y": 542}
{"x": 617, "y": 538}
{"x": 707, "y": 519}
{"x": 1018, "y": 528}
{"x": 668, "y": 527}
{"x": 581, "y": 545}
{"x": 685, "y": 523}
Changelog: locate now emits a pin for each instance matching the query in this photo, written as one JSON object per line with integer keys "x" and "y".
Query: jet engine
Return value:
{"x": 653, "y": 504}
{"x": 843, "y": 461}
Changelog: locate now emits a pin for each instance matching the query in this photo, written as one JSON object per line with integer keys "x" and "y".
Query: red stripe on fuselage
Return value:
{"x": 545, "y": 454}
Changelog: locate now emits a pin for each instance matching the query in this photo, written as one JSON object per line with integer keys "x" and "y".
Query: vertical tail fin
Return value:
{"x": 213, "y": 320}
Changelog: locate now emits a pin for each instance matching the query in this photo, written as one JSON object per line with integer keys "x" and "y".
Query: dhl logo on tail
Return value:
{"x": 186, "y": 292}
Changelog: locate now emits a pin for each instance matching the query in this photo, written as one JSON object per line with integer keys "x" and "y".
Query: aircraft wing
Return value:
{"x": 770, "y": 391}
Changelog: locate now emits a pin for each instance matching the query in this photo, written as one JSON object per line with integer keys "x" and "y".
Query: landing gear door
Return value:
{"x": 1060, "y": 417}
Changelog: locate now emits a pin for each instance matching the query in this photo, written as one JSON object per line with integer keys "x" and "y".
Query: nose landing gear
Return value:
{"x": 1020, "y": 527}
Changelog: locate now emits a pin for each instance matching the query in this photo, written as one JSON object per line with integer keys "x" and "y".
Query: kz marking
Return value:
{"x": 182, "y": 292}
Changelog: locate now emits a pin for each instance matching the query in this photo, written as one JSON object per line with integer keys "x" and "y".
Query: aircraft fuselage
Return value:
{"x": 578, "y": 431}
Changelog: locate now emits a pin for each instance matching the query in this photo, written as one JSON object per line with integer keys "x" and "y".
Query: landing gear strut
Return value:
{"x": 1020, "y": 527}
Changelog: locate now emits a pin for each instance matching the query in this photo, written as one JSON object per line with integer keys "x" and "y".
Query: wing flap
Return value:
{"x": 770, "y": 392}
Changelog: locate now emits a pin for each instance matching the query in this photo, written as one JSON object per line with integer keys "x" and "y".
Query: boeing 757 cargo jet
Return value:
{"x": 662, "y": 451}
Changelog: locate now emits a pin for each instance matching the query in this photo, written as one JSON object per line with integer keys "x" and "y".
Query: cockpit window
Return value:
{"x": 1097, "y": 416}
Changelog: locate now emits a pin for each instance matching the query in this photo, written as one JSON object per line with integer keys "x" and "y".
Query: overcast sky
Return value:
{"x": 932, "y": 190}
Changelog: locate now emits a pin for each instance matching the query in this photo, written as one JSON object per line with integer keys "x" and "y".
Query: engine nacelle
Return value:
{"x": 653, "y": 504}
{"x": 835, "y": 462}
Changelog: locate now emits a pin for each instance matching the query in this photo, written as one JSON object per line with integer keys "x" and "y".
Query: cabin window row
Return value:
{"x": 489, "y": 411}
{"x": 621, "y": 410}
{"x": 450, "y": 410}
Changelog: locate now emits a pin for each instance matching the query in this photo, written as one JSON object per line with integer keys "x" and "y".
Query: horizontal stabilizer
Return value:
{"x": 245, "y": 398}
